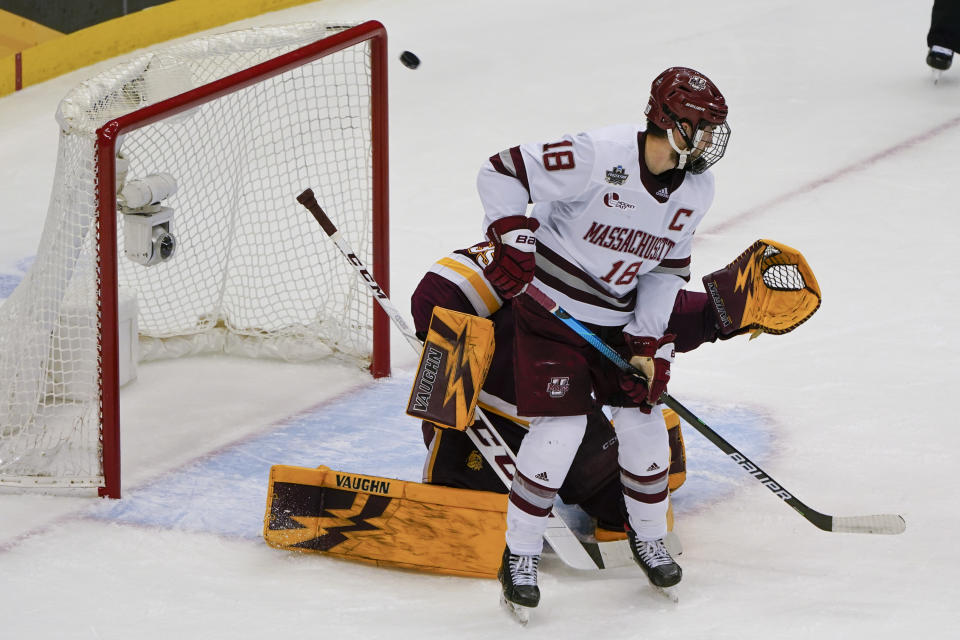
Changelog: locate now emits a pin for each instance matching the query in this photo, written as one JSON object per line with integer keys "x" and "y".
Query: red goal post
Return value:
{"x": 247, "y": 148}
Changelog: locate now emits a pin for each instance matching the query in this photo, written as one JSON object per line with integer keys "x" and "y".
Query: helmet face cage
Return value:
{"x": 680, "y": 94}
{"x": 709, "y": 144}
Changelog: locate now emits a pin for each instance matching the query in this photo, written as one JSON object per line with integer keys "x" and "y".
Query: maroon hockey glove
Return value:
{"x": 653, "y": 358}
{"x": 514, "y": 244}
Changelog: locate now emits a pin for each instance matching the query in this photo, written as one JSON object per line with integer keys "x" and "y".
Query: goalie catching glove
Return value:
{"x": 653, "y": 358}
{"x": 511, "y": 267}
{"x": 769, "y": 288}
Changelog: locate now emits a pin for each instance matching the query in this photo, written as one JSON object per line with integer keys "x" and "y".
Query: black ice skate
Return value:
{"x": 655, "y": 561}
{"x": 518, "y": 575}
{"x": 940, "y": 58}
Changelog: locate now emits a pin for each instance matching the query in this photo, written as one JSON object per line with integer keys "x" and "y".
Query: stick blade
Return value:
{"x": 584, "y": 556}
{"x": 886, "y": 523}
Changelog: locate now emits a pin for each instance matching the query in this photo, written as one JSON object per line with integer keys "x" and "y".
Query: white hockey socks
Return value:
{"x": 644, "y": 470}
{"x": 542, "y": 464}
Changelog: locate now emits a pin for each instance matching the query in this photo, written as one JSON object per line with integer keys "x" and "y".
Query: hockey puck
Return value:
{"x": 409, "y": 60}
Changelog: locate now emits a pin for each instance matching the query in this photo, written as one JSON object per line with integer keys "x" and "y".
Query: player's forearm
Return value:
{"x": 656, "y": 295}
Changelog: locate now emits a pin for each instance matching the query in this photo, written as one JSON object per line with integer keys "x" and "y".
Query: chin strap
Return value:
{"x": 682, "y": 153}
{"x": 691, "y": 144}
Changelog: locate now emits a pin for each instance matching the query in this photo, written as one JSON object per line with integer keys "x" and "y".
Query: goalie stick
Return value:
{"x": 886, "y": 523}
{"x": 574, "y": 552}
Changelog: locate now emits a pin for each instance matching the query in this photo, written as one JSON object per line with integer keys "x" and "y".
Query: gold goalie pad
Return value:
{"x": 385, "y": 522}
{"x": 453, "y": 366}
{"x": 678, "y": 451}
{"x": 769, "y": 288}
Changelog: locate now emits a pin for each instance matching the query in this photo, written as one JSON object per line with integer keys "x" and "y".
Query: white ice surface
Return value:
{"x": 842, "y": 147}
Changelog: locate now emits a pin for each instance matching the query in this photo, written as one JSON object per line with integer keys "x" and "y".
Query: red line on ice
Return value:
{"x": 833, "y": 177}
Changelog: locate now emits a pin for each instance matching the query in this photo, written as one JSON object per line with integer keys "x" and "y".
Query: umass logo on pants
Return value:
{"x": 558, "y": 386}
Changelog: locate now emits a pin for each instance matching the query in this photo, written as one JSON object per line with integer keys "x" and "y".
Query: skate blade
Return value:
{"x": 519, "y": 613}
{"x": 670, "y": 593}
{"x": 936, "y": 76}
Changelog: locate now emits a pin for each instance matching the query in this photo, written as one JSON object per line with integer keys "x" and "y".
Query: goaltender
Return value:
{"x": 768, "y": 288}
{"x": 454, "y": 522}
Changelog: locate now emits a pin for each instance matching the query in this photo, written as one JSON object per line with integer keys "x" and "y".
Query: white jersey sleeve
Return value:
{"x": 657, "y": 291}
{"x": 534, "y": 172}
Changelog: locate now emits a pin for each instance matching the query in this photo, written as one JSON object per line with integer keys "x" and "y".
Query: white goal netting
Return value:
{"x": 251, "y": 273}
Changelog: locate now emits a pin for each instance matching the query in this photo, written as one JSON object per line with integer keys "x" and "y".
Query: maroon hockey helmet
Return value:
{"x": 681, "y": 94}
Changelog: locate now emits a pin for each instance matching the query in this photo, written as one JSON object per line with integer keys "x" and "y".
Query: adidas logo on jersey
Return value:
{"x": 542, "y": 476}
{"x": 663, "y": 193}
{"x": 653, "y": 467}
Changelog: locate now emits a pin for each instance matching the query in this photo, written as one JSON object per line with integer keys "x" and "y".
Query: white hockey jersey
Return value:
{"x": 614, "y": 242}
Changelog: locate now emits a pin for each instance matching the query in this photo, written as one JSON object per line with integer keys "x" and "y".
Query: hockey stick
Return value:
{"x": 887, "y": 523}
{"x": 573, "y": 551}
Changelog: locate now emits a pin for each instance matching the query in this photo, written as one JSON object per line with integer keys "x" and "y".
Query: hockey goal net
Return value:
{"x": 175, "y": 192}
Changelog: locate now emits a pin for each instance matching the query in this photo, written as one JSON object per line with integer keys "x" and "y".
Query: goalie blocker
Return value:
{"x": 454, "y": 363}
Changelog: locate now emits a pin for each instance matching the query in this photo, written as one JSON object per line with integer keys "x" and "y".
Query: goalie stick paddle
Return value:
{"x": 572, "y": 551}
{"x": 887, "y": 523}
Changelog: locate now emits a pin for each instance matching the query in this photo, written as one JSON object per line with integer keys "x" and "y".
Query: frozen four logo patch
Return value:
{"x": 558, "y": 387}
{"x": 617, "y": 175}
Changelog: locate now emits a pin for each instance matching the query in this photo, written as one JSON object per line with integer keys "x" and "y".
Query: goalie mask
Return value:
{"x": 681, "y": 95}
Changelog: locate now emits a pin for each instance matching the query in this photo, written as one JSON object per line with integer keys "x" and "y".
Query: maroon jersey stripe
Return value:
{"x": 577, "y": 285}
{"x": 648, "y": 489}
{"x": 499, "y": 166}
{"x": 520, "y": 167}
{"x": 646, "y": 498}
{"x": 540, "y": 491}
{"x": 573, "y": 293}
{"x": 675, "y": 263}
{"x": 516, "y": 169}
{"x": 526, "y": 507}
{"x": 644, "y": 479}
{"x": 531, "y": 497}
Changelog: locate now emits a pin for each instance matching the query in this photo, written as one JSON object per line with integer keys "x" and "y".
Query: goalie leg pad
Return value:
{"x": 385, "y": 521}
{"x": 678, "y": 450}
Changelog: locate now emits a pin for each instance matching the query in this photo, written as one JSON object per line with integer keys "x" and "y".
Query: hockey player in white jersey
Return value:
{"x": 609, "y": 238}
